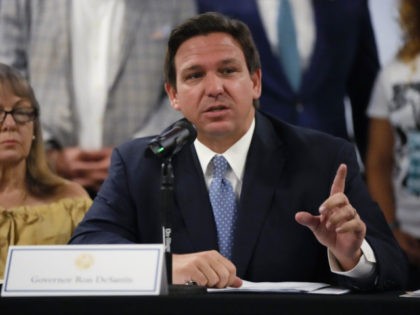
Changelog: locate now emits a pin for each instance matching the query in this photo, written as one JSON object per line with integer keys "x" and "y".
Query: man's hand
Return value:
{"x": 338, "y": 226}
{"x": 88, "y": 168}
{"x": 207, "y": 268}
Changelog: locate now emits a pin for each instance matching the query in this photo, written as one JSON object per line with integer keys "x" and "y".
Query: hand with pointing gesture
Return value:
{"x": 338, "y": 226}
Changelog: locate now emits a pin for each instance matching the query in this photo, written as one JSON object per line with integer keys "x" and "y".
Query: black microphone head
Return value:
{"x": 173, "y": 139}
{"x": 192, "y": 132}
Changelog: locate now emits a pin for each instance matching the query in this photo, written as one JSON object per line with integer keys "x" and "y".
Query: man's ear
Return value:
{"x": 171, "y": 91}
{"x": 256, "y": 78}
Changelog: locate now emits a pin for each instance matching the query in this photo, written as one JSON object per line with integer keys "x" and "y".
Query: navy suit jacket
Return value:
{"x": 288, "y": 169}
{"x": 344, "y": 62}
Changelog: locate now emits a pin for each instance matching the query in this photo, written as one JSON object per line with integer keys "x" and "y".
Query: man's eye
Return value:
{"x": 194, "y": 75}
{"x": 228, "y": 70}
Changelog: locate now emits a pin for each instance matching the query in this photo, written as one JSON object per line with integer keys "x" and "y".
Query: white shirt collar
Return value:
{"x": 235, "y": 155}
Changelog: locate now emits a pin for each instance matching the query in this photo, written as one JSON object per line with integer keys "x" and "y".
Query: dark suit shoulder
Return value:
{"x": 297, "y": 135}
{"x": 138, "y": 146}
{"x": 305, "y": 148}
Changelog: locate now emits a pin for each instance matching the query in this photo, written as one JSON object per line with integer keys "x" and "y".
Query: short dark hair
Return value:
{"x": 206, "y": 23}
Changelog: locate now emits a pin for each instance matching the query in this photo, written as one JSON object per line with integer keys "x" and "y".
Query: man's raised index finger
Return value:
{"x": 339, "y": 183}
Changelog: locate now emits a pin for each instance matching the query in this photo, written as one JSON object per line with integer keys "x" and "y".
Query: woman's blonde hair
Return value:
{"x": 409, "y": 13}
{"x": 40, "y": 179}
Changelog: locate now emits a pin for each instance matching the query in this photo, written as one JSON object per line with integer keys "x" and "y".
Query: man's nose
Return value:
{"x": 214, "y": 85}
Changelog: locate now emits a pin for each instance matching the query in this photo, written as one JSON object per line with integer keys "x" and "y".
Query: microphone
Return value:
{"x": 173, "y": 138}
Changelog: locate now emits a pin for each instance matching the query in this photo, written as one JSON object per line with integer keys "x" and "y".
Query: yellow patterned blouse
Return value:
{"x": 46, "y": 224}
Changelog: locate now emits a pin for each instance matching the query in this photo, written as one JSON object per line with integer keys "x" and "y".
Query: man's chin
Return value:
{"x": 219, "y": 129}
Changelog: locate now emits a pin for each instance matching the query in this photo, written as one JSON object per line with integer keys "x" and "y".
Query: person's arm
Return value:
{"x": 339, "y": 226}
{"x": 346, "y": 220}
{"x": 379, "y": 166}
{"x": 112, "y": 217}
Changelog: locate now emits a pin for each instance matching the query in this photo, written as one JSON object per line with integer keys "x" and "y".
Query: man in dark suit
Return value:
{"x": 338, "y": 57}
{"x": 302, "y": 211}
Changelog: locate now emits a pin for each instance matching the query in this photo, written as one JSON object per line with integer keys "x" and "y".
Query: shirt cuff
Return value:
{"x": 364, "y": 268}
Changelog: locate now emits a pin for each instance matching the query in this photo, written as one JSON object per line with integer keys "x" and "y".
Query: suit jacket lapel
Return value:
{"x": 263, "y": 170}
{"x": 263, "y": 167}
{"x": 194, "y": 203}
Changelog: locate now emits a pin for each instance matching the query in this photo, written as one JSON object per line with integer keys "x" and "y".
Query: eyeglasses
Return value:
{"x": 20, "y": 115}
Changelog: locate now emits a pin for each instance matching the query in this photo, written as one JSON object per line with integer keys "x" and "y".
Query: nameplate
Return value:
{"x": 70, "y": 270}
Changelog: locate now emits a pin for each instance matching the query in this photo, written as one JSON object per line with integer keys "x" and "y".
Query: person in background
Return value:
{"x": 333, "y": 60}
{"x": 36, "y": 206}
{"x": 96, "y": 66}
{"x": 247, "y": 185}
{"x": 393, "y": 160}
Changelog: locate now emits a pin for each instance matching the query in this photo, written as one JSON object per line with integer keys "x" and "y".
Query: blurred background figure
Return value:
{"x": 393, "y": 160}
{"x": 384, "y": 15}
{"x": 97, "y": 68}
{"x": 336, "y": 58}
{"x": 36, "y": 206}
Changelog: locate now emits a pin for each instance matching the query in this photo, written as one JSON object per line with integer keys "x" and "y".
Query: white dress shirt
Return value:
{"x": 235, "y": 155}
{"x": 96, "y": 27}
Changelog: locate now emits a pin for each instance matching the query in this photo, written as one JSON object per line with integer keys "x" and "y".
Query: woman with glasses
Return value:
{"x": 36, "y": 206}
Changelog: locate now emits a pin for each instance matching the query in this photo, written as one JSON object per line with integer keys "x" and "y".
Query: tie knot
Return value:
{"x": 219, "y": 166}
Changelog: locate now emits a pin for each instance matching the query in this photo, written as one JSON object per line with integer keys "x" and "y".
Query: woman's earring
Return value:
{"x": 33, "y": 137}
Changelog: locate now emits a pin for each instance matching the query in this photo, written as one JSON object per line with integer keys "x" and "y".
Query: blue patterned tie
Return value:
{"x": 287, "y": 42}
{"x": 223, "y": 201}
